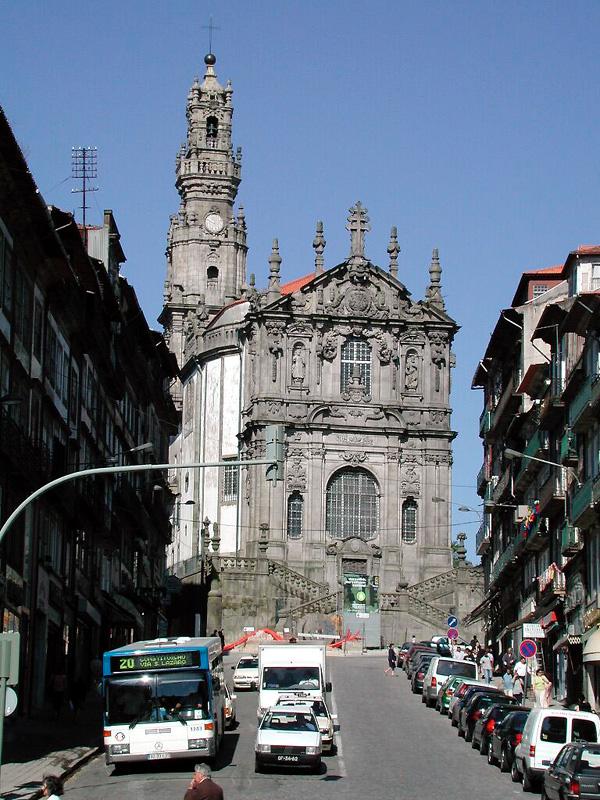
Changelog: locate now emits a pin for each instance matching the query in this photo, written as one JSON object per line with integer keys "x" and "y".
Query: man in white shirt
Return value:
{"x": 520, "y": 669}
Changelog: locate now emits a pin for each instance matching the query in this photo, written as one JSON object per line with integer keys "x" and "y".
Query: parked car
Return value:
{"x": 230, "y": 707}
{"x": 419, "y": 673}
{"x": 467, "y": 694}
{"x": 486, "y": 724}
{"x": 438, "y": 673}
{"x": 505, "y": 738}
{"x": 320, "y": 711}
{"x": 544, "y": 734}
{"x": 416, "y": 648}
{"x": 448, "y": 689}
{"x": 475, "y": 707}
{"x": 402, "y": 652}
{"x": 245, "y": 674}
{"x": 288, "y": 737}
{"x": 575, "y": 772}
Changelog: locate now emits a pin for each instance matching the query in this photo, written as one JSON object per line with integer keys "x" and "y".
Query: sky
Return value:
{"x": 470, "y": 126}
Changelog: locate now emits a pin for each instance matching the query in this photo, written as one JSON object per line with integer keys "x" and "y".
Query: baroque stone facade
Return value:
{"x": 354, "y": 368}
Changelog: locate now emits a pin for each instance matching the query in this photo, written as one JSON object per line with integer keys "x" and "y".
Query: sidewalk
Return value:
{"x": 40, "y": 746}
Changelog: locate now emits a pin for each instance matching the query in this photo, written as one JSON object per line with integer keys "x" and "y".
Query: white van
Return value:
{"x": 440, "y": 669}
{"x": 544, "y": 734}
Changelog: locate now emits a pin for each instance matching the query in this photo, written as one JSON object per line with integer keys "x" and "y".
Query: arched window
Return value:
{"x": 212, "y": 131}
{"x": 356, "y": 365}
{"x": 352, "y": 505}
{"x": 294, "y": 515}
{"x": 212, "y": 277}
{"x": 409, "y": 521}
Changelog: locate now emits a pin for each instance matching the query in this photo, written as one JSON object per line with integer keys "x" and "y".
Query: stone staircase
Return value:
{"x": 297, "y": 584}
{"x": 435, "y": 587}
{"x": 320, "y": 605}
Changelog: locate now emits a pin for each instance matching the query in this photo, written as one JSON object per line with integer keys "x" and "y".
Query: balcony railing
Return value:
{"x": 482, "y": 477}
{"x": 582, "y": 512}
{"x": 552, "y": 582}
{"x": 568, "y": 453}
{"x": 483, "y": 536}
{"x": 571, "y": 539}
{"x": 580, "y": 407}
{"x": 538, "y": 444}
{"x": 510, "y": 553}
{"x": 485, "y": 422}
{"x": 501, "y": 486}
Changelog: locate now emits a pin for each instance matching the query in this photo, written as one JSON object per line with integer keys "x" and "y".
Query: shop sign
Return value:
{"x": 533, "y": 630}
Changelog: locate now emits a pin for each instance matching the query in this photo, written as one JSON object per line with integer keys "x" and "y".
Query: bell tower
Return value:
{"x": 206, "y": 247}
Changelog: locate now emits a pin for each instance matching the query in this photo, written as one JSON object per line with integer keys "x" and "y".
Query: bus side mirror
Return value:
{"x": 328, "y": 686}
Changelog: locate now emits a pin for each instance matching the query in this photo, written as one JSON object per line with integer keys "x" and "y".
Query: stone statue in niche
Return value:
{"x": 411, "y": 372}
{"x": 298, "y": 366}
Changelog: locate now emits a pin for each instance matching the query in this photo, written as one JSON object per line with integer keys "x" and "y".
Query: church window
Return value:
{"x": 229, "y": 488}
{"x": 212, "y": 277}
{"x": 409, "y": 521}
{"x": 356, "y": 365}
{"x": 212, "y": 131}
{"x": 352, "y": 507}
{"x": 294, "y": 515}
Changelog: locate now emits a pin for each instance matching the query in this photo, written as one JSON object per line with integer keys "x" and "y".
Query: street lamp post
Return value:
{"x": 510, "y": 454}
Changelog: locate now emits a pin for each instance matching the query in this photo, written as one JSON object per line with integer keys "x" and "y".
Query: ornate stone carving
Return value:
{"x": 298, "y": 369}
{"x": 354, "y": 438}
{"x": 331, "y": 549}
{"x": 327, "y": 348}
{"x": 300, "y": 328}
{"x": 355, "y": 458}
{"x": 411, "y": 482}
{"x": 411, "y": 371}
{"x": 412, "y": 416}
{"x": 437, "y": 417}
{"x": 296, "y": 475}
{"x": 274, "y": 407}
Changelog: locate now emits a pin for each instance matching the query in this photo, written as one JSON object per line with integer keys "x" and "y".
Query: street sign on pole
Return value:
{"x": 452, "y": 633}
{"x": 528, "y": 648}
{"x": 452, "y": 621}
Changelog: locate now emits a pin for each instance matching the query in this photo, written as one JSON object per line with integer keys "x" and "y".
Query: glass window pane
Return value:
{"x": 352, "y": 505}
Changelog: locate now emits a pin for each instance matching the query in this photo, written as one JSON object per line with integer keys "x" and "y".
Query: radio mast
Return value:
{"x": 84, "y": 165}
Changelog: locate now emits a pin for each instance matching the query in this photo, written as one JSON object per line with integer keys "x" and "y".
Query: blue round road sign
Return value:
{"x": 528, "y": 648}
{"x": 452, "y": 622}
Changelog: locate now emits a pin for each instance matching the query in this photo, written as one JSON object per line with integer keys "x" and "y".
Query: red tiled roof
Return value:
{"x": 588, "y": 249}
{"x": 293, "y": 286}
{"x": 545, "y": 270}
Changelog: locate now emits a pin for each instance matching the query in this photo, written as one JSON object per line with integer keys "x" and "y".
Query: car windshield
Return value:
{"x": 248, "y": 663}
{"x": 289, "y": 722}
{"x": 158, "y": 697}
{"x": 590, "y": 759}
{"x": 290, "y": 678}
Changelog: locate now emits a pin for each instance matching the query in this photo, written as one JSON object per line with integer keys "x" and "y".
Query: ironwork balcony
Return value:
{"x": 551, "y": 495}
{"x": 551, "y": 411}
{"x": 483, "y": 537}
{"x": 505, "y": 409}
{"x": 507, "y": 557}
{"x": 580, "y": 409}
{"x": 538, "y": 445}
{"x": 571, "y": 539}
{"x": 582, "y": 511}
{"x": 552, "y": 582}
{"x": 482, "y": 477}
{"x": 485, "y": 422}
{"x": 501, "y": 487}
{"x": 568, "y": 453}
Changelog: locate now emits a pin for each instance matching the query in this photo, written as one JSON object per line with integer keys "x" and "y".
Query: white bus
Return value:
{"x": 164, "y": 698}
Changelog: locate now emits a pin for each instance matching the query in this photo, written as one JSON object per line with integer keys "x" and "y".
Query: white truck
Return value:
{"x": 285, "y": 668}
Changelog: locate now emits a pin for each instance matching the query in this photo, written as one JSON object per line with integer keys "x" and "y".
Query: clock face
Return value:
{"x": 213, "y": 223}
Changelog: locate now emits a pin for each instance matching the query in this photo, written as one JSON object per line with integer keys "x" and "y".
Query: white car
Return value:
{"x": 288, "y": 737}
{"x": 230, "y": 707}
{"x": 321, "y": 712}
{"x": 245, "y": 674}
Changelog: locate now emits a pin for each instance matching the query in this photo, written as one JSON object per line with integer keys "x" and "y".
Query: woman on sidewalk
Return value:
{"x": 541, "y": 684}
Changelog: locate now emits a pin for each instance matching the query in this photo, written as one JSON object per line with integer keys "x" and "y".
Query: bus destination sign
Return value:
{"x": 137, "y": 662}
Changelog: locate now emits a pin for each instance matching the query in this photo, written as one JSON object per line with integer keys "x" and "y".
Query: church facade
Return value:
{"x": 358, "y": 374}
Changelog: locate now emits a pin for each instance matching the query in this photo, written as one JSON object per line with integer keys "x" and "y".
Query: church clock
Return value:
{"x": 214, "y": 223}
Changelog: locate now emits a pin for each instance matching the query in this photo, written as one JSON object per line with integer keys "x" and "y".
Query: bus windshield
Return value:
{"x": 157, "y": 697}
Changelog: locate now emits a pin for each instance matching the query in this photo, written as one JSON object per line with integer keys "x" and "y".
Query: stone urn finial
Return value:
{"x": 216, "y": 540}
{"x": 461, "y": 550}
{"x": 263, "y": 540}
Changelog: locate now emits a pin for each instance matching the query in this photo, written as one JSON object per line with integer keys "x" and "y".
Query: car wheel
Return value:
{"x": 484, "y": 746}
{"x": 543, "y": 795}
{"x": 453, "y": 722}
{"x": 316, "y": 768}
{"x": 460, "y": 731}
{"x": 527, "y": 781}
{"x": 504, "y": 765}
{"x": 468, "y": 734}
{"x": 474, "y": 744}
{"x": 257, "y": 766}
{"x": 490, "y": 756}
{"x": 514, "y": 772}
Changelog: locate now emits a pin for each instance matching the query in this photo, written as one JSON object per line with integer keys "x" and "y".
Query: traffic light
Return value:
{"x": 274, "y": 434}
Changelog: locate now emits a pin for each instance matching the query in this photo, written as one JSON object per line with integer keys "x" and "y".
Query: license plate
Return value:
{"x": 287, "y": 758}
{"x": 156, "y": 756}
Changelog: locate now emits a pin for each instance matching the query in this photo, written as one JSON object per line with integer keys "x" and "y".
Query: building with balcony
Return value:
{"x": 540, "y": 551}
{"x": 83, "y": 383}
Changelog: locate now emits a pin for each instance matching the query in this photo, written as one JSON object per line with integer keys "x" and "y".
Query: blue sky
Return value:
{"x": 471, "y": 126}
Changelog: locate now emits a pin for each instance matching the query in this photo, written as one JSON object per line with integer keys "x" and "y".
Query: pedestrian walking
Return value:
{"x": 52, "y": 787}
{"x": 582, "y": 704}
{"x": 507, "y": 682}
{"x": 520, "y": 669}
{"x": 486, "y": 665}
{"x": 518, "y": 688}
{"x": 540, "y": 689}
{"x": 509, "y": 659}
{"x": 202, "y": 786}
{"x": 391, "y": 661}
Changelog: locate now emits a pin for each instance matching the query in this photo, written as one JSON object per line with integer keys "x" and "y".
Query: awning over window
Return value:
{"x": 591, "y": 651}
{"x": 567, "y": 640}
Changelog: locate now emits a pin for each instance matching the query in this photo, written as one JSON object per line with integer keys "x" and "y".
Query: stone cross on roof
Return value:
{"x": 358, "y": 227}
